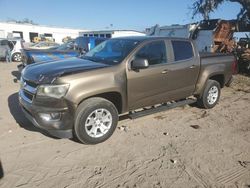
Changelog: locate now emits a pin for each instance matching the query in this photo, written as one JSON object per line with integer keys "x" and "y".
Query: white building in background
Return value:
{"x": 29, "y": 31}
{"x": 111, "y": 33}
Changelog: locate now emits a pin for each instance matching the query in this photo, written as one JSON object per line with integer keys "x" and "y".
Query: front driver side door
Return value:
{"x": 148, "y": 86}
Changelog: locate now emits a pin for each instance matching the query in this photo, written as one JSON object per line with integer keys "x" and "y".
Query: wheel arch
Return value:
{"x": 219, "y": 78}
{"x": 114, "y": 97}
{"x": 213, "y": 72}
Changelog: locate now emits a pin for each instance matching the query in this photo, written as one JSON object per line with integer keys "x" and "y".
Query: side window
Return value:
{"x": 14, "y": 42}
{"x": 3, "y": 42}
{"x": 11, "y": 45}
{"x": 182, "y": 50}
{"x": 154, "y": 52}
{"x": 98, "y": 41}
{"x": 81, "y": 43}
{"x": 108, "y": 35}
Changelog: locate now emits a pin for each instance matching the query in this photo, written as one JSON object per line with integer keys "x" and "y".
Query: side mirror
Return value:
{"x": 139, "y": 63}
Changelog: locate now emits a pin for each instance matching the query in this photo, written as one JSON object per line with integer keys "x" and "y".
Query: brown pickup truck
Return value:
{"x": 136, "y": 75}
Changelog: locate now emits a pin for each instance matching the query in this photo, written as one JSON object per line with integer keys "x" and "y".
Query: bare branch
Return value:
{"x": 205, "y": 7}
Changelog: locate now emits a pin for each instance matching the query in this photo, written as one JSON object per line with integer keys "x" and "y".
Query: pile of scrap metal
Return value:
{"x": 242, "y": 53}
{"x": 216, "y": 36}
{"x": 210, "y": 35}
{"x": 221, "y": 35}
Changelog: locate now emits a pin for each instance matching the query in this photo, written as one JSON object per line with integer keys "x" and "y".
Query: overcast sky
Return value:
{"x": 107, "y": 14}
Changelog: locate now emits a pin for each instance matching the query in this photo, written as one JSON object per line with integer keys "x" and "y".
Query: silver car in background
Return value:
{"x": 16, "y": 44}
{"x": 44, "y": 45}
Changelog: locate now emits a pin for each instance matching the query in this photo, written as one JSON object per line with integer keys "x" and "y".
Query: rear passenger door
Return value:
{"x": 182, "y": 70}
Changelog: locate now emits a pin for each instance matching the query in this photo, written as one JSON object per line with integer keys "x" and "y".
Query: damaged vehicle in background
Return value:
{"x": 84, "y": 96}
{"x": 216, "y": 36}
{"x": 44, "y": 45}
{"x": 72, "y": 48}
{"x": 242, "y": 53}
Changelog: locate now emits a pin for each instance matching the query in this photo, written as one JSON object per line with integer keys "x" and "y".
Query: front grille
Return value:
{"x": 28, "y": 95}
{"x": 32, "y": 84}
{"x": 28, "y": 89}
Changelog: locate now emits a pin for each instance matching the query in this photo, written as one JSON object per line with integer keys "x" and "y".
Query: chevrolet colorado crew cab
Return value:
{"x": 84, "y": 96}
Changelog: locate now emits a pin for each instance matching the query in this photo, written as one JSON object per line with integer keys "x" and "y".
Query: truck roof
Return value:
{"x": 144, "y": 38}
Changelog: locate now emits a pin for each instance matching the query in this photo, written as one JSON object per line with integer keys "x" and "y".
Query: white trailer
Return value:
{"x": 203, "y": 41}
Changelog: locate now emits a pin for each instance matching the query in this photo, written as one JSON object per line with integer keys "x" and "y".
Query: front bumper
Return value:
{"x": 61, "y": 128}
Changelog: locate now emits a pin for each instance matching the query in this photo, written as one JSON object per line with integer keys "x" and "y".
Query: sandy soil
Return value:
{"x": 183, "y": 147}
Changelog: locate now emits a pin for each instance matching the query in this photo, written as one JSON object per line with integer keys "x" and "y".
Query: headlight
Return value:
{"x": 55, "y": 91}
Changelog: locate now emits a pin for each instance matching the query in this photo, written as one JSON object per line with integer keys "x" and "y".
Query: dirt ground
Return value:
{"x": 183, "y": 147}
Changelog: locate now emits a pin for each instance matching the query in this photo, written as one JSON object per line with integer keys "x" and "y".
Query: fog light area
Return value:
{"x": 54, "y": 116}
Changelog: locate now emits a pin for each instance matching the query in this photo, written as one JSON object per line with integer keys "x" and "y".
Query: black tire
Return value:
{"x": 17, "y": 57}
{"x": 84, "y": 110}
{"x": 203, "y": 100}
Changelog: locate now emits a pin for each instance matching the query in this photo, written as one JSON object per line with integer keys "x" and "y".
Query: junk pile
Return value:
{"x": 242, "y": 53}
{"x": 209, "y": 35}
{"x": 216, "y": 36}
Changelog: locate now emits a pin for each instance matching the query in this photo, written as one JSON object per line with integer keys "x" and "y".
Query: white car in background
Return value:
{"x": 16, "y": 45}
{"x": 44, "y": 45}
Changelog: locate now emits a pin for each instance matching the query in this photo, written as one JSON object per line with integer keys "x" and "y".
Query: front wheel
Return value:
{"x": 17, "y": 57}
{"x": 95, "y": 121}
{"x": 210, "y": 96}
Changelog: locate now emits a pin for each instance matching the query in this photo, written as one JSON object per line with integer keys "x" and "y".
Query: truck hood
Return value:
{"x": 37, "y": 55}
{"x": 46, "y": 73}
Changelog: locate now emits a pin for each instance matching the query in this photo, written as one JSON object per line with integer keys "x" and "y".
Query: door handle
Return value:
{"x": 165, "y": 71}
{"x": 192, "y": 67}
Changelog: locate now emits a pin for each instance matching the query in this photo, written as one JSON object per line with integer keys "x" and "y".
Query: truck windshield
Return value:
{"x": 111, "y": 51}
{"x": 67, "y": 46}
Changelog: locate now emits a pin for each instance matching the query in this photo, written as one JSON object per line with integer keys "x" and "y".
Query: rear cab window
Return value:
{"x": 183, "y": 50}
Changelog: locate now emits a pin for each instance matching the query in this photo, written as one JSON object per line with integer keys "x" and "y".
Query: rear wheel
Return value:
{"x": 95, "y": 121}
{"x": 17, "y": 57}
{"x": 210, "y": 96}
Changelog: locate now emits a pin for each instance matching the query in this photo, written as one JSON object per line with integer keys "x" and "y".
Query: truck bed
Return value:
{"x": 209, "y": 54}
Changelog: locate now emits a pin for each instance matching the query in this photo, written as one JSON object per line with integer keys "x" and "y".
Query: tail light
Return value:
{"x": 235, "y": 66}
